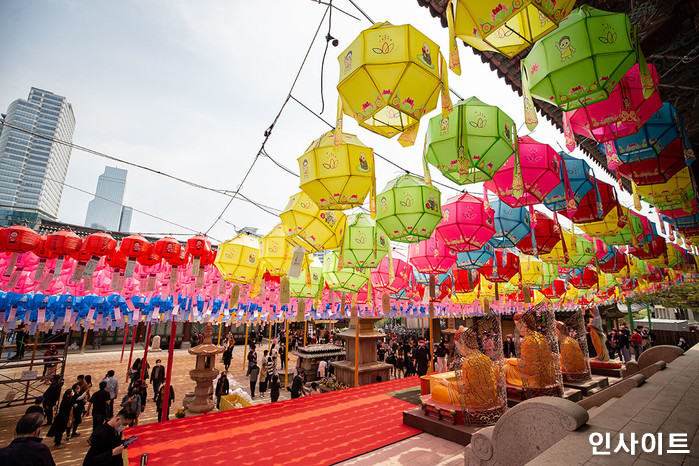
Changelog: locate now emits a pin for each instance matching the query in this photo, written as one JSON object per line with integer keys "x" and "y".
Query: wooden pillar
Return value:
{"x": 286, "y": 354}
{"x": 305, "y": 330}
{"x": 85, "y": 330}
{"x": 123, "y": 345}
{"x": 168, "y": 375}
{"x": 355, "y": 316}
{"x": 269, "y": 339}
{"x": 431, "y": 366}
{"x": 220, "y": 327}
{"x": 145, "y": 352}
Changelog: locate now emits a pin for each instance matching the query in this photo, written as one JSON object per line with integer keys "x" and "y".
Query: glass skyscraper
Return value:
{"x": 33, "y": 167}
{"x": 105, "y": 211}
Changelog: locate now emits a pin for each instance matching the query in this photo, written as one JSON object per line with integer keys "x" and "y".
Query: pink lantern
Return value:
{"x": 381, "y": 277}
{"x": 466, "y": 223}
{"x": 622, "y": 113}
{"x": 431, "y": 256}
{"x": 540, "y": 167}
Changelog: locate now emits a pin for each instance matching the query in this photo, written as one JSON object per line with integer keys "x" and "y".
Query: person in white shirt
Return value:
{"x": 322, "y": 366}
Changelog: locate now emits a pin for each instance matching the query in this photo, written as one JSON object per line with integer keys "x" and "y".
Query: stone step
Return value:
{"x": 599, "y": 409}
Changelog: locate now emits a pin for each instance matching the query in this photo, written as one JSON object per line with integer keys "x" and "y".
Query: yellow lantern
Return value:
{"x": 307, "y": 226}
{"x": 276, "y": 252}
{"x": 237, "y": 259}
{"x": 557, "y": 255}
{"x": 608, "y": 226}
{"x": 505, "y": 26}
{"x": 391, "y": 76}
{"x": 532, "y": 271}
{"x": 337, "y": 178}
{"x": 676, "y": 193}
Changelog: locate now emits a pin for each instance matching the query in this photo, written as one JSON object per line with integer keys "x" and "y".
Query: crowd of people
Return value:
{"x": 622, "y": 343}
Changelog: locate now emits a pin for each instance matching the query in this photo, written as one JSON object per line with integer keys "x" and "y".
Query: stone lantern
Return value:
{"x": 204, "y": 373}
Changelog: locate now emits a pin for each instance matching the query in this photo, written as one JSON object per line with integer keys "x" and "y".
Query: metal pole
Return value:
{"x": 245, "y": 348}
{"x": 356, "y": 346}
{"x": 286, "y": 353}
{"x": 650, "y": 324}
{"x": 123, "y": 345}
{"x": 31, "y": 363}
{"x": 165, "y": 410}
{"x": 145, "y": 352}
{"x": 431, "y": 342}
{"x": 133, "y": 340}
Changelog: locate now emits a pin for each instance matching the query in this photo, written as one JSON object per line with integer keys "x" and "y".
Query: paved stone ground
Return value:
{"x": 666, "y": 403}
{"x": 97, "y": 363}
{"x": 422, "y": 449}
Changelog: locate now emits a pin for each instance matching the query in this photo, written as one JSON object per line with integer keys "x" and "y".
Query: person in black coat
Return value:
{"x": 107, "y": 445}
{"x": 51, "y": 396}
{"x": 159, "y": 402}
{"x": 227, "y": 356}
{"x": 60, "y": 424}
{"x": 222, "y": 387}
{"x": 26, "y": 449}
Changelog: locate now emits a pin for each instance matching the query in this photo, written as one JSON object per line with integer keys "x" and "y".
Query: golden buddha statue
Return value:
{"x": 535, "y": 366}
{"x": 599, "y": 339}
{"x": 572, "y": 357}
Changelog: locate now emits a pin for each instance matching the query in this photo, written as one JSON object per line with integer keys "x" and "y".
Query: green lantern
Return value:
{"x": 347, "y": 279}
{"x": 579, "y": 63}
{"x": 298, "y": 288}
{"x": 626, "y": 235}
{"x": 584, "y": 253}
{"x": 408, "y": 209}
{"x": 365, "y": 244}
{"x": 471, "y": 143}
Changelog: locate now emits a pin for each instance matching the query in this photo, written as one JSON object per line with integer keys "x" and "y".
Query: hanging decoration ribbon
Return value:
{"x": 613, "y": 160}
{"x": 447, "y": 106}
{"x": 568, "y": 132}
{"x": 646, "y": 79}
{"x": 598, "y": 199}
{"x": 454, "y": 61}
{"x": 532, "y": 222}
{"x": 530, "y": 117}
{"x": 636, "y": 197}
{"x": 571, "y": 206}
{"x": 337, "y": 142}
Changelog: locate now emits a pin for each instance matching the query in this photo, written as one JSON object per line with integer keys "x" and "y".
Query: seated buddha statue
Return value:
{"x": 478, "y": 376}
{"x": 535, "y": 366}
{"x": 572, "y": 357}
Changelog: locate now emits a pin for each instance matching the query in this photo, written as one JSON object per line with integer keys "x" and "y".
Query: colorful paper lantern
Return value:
{"x": 365, "y": 244}
{"x": 652, "y": 139}
{"x": 555, "y": 290}
{"x": 337, "y": 177}
{"x": 676, "y": 193}
{"x": 431, "y": 256}
{"x": 466, "y": 223}
{"x": 611, "y": 225}
{"x": 300, "y": 288}
{"x": 464, "y": 281}
{"x": 389, "y": 78}
{"x": 311, "y": 228}
{"x": 408, "y": 210}
{"x": 474, "y": 259}
{"x": 64, "y": 242}
{"x": 580, "y": 179}
{"x": 507, "y": 27}
{"x": 511, "y": 224}
{"x": 546, "y": 235}
{"x": 168, "y": 248}
{"x": 582, "y": 61}
{"x": 18, "y": 239}
{"x": 276, "y": 252}
{"x": 584, "y": 278}
{"x": 631, "y": 232}
{"x": 532, "y": 271}
{"x": 345, "y": 280}
{"x": 540, "y": 172}
{"x": 501, "y": 268}
{"x": 621, "y": 114}
{"x": 237, "y": 259}
{"x": 562, "y": 250}
{"x": 614, "y": 262}
{"x": 381, "y": 278}
{"x": 98, "y": 245}
{"x": 656, "y": 248}
{"x": 471, "y": 143}
{"x": 595, "y": 205}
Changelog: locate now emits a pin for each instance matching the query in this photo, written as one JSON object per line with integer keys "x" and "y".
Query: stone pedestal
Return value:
{"x": 204, "y": 373}
{"x": 369, "y": 365}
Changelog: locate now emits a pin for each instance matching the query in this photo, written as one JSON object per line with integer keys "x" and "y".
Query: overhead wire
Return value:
{"x": 269, "y": 130}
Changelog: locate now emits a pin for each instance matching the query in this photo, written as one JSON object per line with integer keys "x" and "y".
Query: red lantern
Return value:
{"x": 168, "y": 248}
{"x": 466, "y": 224}
{"x": 585, "y": 280}
{"x": 63, "y": 243}
{"x": 656, "y": 170}
{"x": 198, "y": 247}
{"x": 133, "y": 246}
{"x": 547, "y": 235}
{"x": 615, "y": 264}
{"x": 117, "y": 260}
{"x": 555, "y": 290}
{"x": 17, "y": 240}
{"x": 150, "y": 259}
{"x": 464, "y": 282}
{"x": 42, "y": 250}
{"x": 501, "y": 268}
{"x": 656, "y": 248}
{"x": 99, "y": 244}
{"x": 588, "y": 211}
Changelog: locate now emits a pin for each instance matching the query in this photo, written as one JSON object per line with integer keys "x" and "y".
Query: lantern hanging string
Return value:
{"x": 269, "y": 130}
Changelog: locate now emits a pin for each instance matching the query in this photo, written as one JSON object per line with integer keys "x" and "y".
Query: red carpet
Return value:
{"x": 320, "y": 429}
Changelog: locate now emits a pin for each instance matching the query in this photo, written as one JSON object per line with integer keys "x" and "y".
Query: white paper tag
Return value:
{"x": 39, "y": 274}
{"x": 90, "y": 267}
{"x": 296, "y": 262}
{"x": 14, "y": 279}
{"x": 78, "y": 272}
{"x": 59, "y": 266}
{"x": 151, "y": 283}
{"x": 44, "y": 285}
{"x": 11, "y": 265}
{"x": 130, "y": 266}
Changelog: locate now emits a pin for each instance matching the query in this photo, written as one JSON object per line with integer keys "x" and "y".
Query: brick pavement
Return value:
{"x": 97, "y": 363}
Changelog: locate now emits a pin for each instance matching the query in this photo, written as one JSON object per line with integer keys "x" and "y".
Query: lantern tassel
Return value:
{"x": 530, "y": 117}
{"x": 568, "y": 132}
{"x": 447, "y": 105}
{"x": 571, "y": 206}
{"x": 532, "y": 221}
{"x": 409, "y": 135}
{"x": 646, "y": 80}
{"x": 517, "y": 181}
{"x": 391, "y": 270}
{"x": 338, "y": 123}
{"x": 661, "y": 223}
{"x": 454, "y": 60}
{"x": 426, "y": 169}
{"x": 372, "y": 198}
{"x": 636, "y": 197}
{"x": 613, "y": 160}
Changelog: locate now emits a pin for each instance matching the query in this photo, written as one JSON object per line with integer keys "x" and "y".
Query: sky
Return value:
{"x": 188, "y": 88}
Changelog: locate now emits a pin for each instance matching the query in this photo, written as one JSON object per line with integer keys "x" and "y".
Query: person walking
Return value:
{"x": 422, "y": 358}
{"x": 227, "y": 356}
{"x": 222, "y": 387}
{"x": 252, "y": 358}
{"x": 322, "y": 366}
{"x": 637, "y": 343}
{"x": 159, "y": 402}
{"x": 297, "y": 388}
{"x": 441, "y": 354}
{"x": 254, "y": 374}
{"x": 264, "y": 374}
{"x": 100, "y": 403}
{"x": 78, "y": 400}
{"x": 157, "y": 377}
{"x": 274, "y": 388}
{"x": 51, "y": 396}
{"x": 61, "y": 423}
{"x": 113, "y": 390}
{"x": 26, "y": 449}
{"x": 132, "y": 404}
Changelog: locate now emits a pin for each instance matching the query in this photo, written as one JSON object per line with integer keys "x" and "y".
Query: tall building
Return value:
{"x": 32, "y": 166}
{"x": 105, "y": 211}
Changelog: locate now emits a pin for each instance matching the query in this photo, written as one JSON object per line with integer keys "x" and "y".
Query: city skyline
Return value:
{"x": 106, "y": 210}
{"x": 33, "y": 169}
